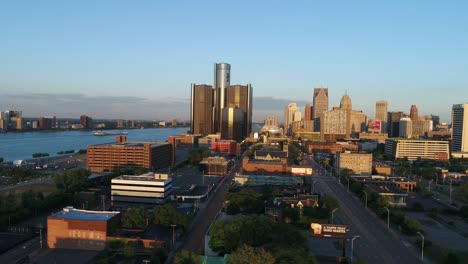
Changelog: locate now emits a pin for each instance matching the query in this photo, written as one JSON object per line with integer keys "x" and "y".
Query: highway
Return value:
{"x": 376, "y": 244}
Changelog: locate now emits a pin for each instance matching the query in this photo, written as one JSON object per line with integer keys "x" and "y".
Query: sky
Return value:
{"x": 137, "y": 59}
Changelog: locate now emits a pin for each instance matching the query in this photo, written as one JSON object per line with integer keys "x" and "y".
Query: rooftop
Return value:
{"x": 76, "y": 214}
{"x": 386, "y": 189}
{"x": 150, "y": 176}
{"x": 132, "y": 144}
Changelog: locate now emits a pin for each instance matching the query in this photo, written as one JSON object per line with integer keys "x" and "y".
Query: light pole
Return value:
{"x": 333, "y": 212}
{"x": 173, "y": 236}
{"x": 422, "y": 246}
{"x": 366, "y": 197}
{"x": 430, "y": 185}
{"x": 450, "y": 190}
{"x": 313, "y": 186}
{"x": 388, "y": 217}
{"x": 352, "y": 247}
{"x": 348, "y": 183}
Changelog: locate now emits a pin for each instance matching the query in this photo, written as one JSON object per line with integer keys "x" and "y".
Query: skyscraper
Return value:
{"x": 308, "y": 112}
{"x": 381, "y": 115}
{"x": 86, "y": 121}
{"x": 394, "y": 123}
{"x": 290, "y": 115}
{"x": 414, "y": 113}
{"x": 201, "y": 109}
{"x": 222, "y": 80}
{"x": 460, "y": 128}
{"x": 320, "y": 101}
{"x": 240, "y": 96}
{"x": 406, "y": 128}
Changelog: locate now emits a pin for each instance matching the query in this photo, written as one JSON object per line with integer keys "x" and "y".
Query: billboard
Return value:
{"x": 375, "y": 125}
{"x": 330, "y": 231}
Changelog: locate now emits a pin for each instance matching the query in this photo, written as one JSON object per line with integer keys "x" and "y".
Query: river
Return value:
{"x": 16, "y": 146}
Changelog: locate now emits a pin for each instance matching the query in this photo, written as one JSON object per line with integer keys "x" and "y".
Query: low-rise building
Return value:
{"x": 378, "y": 180}
{"x": 395, "y": 196}
{"x": 79, "y": 229}
{"x": 379, "y": 137}
{"x": 215, "y": 166}
{"x": 224, "y": 146}
{"x": 144, "y": 190}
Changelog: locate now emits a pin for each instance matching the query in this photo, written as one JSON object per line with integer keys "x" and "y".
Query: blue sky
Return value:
{"x": 146, "y": 53}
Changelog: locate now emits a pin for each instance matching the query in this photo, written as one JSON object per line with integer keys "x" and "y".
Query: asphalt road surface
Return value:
{"x": 376, "y": 243}
{"x": 194, "y": 238}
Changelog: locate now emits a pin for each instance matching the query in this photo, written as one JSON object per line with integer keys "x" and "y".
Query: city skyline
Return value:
{"x": 136, "y": 61}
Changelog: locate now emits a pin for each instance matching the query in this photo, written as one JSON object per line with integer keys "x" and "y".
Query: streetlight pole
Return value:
{"x": 348, "y": 183}
{"x": 450, "y": 191}
{"x": 173, "y": 236}
{"x": 422, "y": 246}
{"x": 430, "y": 185}
{"x": 313, "y": 186}
{"x": 366, "y": 197}
{"x": 388, "y": 217}
{"x": 352, "y": 247}
{"x": 333, "y": 212}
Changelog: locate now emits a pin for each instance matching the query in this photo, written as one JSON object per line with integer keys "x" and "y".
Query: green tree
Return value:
{"x": 186, "y": 257}
{"x": 330, "y": 202}
{"x": 159, "y": 256}
{"x": 72, "y": 180}
{"x": 462, "y": 191}
{"x": 1, "y": 160}
{"x": 246, "y": 201}
{"x": 167, "y": 215}
{"x": 411, "y": 226}
{"x": 116, "y": 244}
{"x": 135, "y": 217}
{"x": 250, "y": 255}
{"x": 129, "y": 251}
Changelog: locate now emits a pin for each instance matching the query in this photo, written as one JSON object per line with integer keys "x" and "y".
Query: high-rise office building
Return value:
{"x": 240, "y": 96}
{"x": 222, "y": 80}
{"x": 381, "y": 114}
{"x": 414, "y": 113}
{"x": 201, "y": 110}
{"x": 86, "y": 121}
{"x": 406, "y": 128}
{"x": 421, "y": 128}
{"x": 232, "y": 124}
{"x": 393, "y": 124}
{"x": 308, "y": 112}
{"x": 460, "y": 128}
{"x": 271, "y": 121}
{"x": 208, "y": 104}
{"x": 320, "y": 101}
{"x": 290, "y": 115}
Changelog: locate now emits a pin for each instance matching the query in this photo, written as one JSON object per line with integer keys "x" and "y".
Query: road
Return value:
{"x": 195, "y": 236}
{"x": 43, "y": 180}
{"x": 21, "y": 251}
{"x": 376, "y": 244}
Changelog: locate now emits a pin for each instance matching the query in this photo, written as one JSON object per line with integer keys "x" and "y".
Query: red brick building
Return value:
{"x": 79, "y": 229}
{"x": 149, "y": 155}
{"x": 225, "y": 146}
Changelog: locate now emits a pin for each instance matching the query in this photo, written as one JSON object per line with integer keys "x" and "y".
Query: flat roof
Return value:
{"x": 87, "y": 215}
{"x": 386, "y": 189}
{"x": 132, "y": 144}
{"x": 150, "y": 176}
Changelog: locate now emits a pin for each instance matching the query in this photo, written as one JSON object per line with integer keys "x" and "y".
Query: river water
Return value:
{"x": 16, "y": 146}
